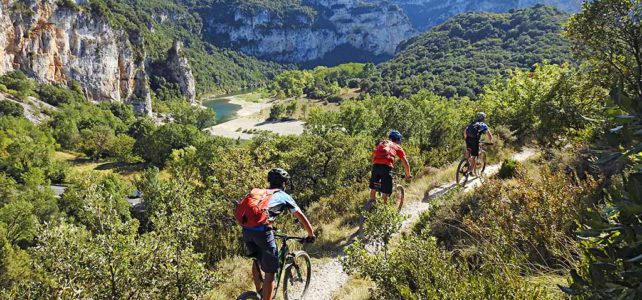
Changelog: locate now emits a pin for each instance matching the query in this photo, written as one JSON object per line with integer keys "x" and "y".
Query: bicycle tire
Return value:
{"x": 249, "y": 295}
{"x": 462, "y": 172}
{"x": 293, "y": 273}
{"x": 398, "y": 196}
{"x": 481, "y": 162}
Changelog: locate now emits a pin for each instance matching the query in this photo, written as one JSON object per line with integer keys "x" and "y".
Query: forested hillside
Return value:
{"x": 145, "y": 206}
{"x": 464, "y": 54}
{"x": 425, "y": 14}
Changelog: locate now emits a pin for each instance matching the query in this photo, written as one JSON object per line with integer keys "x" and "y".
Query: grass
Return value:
{"x": 79, "y": 163}
{"x": 355, "y": 289}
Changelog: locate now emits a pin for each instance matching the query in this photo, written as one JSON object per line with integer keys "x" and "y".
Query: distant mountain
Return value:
{"x": 299, "y": 31}
{"x": 425, "y": 14}
{"x": 462, "y": 55}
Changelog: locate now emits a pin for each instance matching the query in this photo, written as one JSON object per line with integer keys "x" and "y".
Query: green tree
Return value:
{"x": 23, "y": 147}
{"x": 11, "y": 109}
{"x": 608, "y": 34}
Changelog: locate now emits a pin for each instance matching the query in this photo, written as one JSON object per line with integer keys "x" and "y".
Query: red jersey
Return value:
{"x": 393, "y": 150}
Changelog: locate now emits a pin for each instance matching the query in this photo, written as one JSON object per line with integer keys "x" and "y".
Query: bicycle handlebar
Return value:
{"x": 301, "y": 240}
{"x": 487, "y": 143}
{"x": 398, "y": 174}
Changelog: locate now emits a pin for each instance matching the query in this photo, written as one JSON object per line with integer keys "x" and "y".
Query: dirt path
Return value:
{"x": 329, "y": 277}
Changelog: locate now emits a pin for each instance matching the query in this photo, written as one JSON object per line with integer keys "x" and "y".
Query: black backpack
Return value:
{"x": 473, "y": 130}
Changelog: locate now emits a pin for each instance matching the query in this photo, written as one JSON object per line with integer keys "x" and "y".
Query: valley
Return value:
{"x": 131, "y": 130}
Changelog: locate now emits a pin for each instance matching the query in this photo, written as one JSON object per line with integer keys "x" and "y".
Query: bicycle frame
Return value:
{"x": 283, "y": 256}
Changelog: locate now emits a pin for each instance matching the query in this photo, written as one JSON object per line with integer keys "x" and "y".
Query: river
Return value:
{"x": 225, "y": 111}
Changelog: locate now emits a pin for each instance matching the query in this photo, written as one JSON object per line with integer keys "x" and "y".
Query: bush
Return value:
{"x": 277, "y": 112}
{"x": 510, "y": 168}
{"x": 381, "y": 224}
{"x": 58, "y": 95}
{"x": 12, "y": 109}
{"x": 530, "y": 218}
{"x": 18, "y": 84}
{"x": 418, "y": 269}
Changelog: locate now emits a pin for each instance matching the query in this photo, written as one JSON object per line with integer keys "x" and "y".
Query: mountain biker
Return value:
{"x": 472, "y": 136}
{"x": 383, "y": 160}
{"x": 260, "y": 240}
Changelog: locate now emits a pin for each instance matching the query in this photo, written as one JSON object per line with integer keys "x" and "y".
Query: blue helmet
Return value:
{"x": 395, "y": 136}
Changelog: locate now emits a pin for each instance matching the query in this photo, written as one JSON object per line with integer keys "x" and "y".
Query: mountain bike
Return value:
{"x": 463, "y": 169}
{"x": 294, "y": 267}
{"x": 398, "y": 192}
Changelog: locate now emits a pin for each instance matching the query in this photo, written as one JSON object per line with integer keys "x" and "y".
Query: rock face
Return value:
{"x": 180, "y": 71}
{"x": 376, "y": 27}
{"x": 62, "y": 43}
{"x": 425, "y": 14}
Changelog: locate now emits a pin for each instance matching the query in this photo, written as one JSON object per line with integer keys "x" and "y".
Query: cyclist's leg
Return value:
{"x": 375, "y": 181}
{"x": 256, "y": 275}
{"x": 386, "y": 183}
{"x": 267, "y": 257}
{"x": 473, "y": 147}
{"x": 254, "y": 251}
{"x": 268, "y": 286}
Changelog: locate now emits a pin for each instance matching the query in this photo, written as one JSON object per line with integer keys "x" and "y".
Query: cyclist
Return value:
{"x": 472, "y": 136}
{"x": 383, "y": 160}
{"x": 260, "y": 240}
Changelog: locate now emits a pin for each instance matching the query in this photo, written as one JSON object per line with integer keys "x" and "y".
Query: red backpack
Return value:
{"x": 384, "y": 151}
{"x": 253, "y": 208}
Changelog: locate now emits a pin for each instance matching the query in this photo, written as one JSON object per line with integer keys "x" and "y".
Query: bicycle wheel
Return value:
{"x": 462, "y": 172}
{"x": 297, "y": 276}
{"x": 481, "y": 163}
{"x": 249, "y": 296}
{"x": 398, "y": 196}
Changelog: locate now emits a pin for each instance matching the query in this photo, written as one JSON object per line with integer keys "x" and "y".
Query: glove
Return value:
{"x": 310, "y": 239}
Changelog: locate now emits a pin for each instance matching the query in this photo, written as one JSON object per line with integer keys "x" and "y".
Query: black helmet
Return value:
{"x": 480, "y": 117}
{"x": 278, "y": 176}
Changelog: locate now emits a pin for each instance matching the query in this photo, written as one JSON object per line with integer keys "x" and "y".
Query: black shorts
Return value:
{"x": 262, "y": 246}
{"x": 381, "y": 174}
{"x": 473, "y": 146}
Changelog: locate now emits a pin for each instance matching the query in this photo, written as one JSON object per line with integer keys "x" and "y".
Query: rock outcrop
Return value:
{"x": 180, "y": 71}
{"x": 425, "y": 14}
{"x": 55, "y": 42}
{"x": 376, "y": 27}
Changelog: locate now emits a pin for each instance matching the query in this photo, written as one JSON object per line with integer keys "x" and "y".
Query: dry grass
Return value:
{"x": 236, "y": 276}
{"x": 355, "y": 289}
{"x": 79, "y": 164}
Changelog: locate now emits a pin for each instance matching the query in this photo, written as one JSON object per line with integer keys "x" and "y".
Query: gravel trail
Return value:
{"x": 329, "y": 277}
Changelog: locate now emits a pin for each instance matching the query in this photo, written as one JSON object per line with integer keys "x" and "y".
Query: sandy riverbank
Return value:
{"x": 250, "y": 117}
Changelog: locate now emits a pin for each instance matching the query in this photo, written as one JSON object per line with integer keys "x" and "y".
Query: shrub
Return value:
{"x": 380, "y": 224}
{"x": 58, "y": 95}
{"x": 418, "y": 269}
{"x": 8, "y": 108}
{"x": 510, "y": 168}
{"x": 18, "y": 84}
{"x": 277, "y": 112}
{"x": 532, "y": 217}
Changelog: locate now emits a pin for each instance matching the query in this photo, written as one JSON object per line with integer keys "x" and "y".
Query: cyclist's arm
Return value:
{"x": 489, "y": 135}
{"x": 305, "y": 222}
{"x": 406, "y": 166}
{"x": 465, "y": 135}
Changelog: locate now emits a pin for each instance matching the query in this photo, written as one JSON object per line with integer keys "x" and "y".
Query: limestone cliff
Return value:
{"x": 180, "y": 71}
{"x": 63, "y": 43}
{"x": 318, "y": 28}
{"x": 428, "y": 13}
